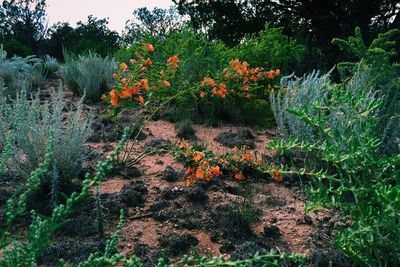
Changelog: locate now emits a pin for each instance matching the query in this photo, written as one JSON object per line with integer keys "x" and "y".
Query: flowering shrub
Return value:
{"x": 204, "y": 165}
{"x": 134, "y": 82}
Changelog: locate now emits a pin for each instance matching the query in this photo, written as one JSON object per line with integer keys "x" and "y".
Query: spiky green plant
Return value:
{"x": 348, "y": 170}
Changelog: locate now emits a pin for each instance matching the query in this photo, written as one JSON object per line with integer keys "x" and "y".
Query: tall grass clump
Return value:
{"x": 50, "y": 65}
{"x": 88, "y": 74}
{"x": 33, "y": 121}
{"x": 20, "y": 73}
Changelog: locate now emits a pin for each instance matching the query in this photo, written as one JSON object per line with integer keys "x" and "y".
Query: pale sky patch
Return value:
{"x": 118, "y": 11}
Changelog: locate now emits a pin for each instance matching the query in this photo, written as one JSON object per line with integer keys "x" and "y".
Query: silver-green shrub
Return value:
{"x": 298, "y": 93}
{"x": 295, "y": 93}
{"x": 51, "y": 65}
{"x": 89, "y": 73}
{"x": 34, "y": 121}
{"x": 20, "y": 73}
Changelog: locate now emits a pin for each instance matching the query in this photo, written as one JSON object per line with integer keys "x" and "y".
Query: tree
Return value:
{"x": 158, "y": 22}
{"x": 314, "y": 22}
{"x": 22, "y": 24}
{"x": 93, "y": 35}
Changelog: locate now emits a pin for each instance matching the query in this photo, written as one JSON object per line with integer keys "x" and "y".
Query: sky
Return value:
{"x": 118, "y": 11}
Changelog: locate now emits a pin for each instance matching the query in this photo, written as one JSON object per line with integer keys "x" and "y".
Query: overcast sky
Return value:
{"x": 118, "y": 11}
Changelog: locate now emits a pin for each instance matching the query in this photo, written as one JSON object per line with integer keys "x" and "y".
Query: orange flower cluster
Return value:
{"x": 239, "y": 78}
{"x": 199, "y": 168}
{"x": 207, "y": 81}
{"x": 221, "y": 91}
{"x": 203, "y": 165}
{"x": 172, "y": 61}
{"x": 241, "y": 70}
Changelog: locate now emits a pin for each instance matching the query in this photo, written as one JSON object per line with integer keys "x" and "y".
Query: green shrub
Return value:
{"x": 348, "y": 170}
{"x": 381, "y": 57}
{"x": 270, "y": 48}
{"x": 34, "y": 121}
{"x": 88, "y": 74}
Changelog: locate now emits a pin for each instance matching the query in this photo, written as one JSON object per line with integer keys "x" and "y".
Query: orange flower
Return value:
{"x": 103, "y": 97}
{"x": 145, "y": 84}
{"x": 167, "y": 84}
{"x": 207, "y": 81}
{"x": 123, "y": 66}
{"x": 205, "y": 163}
{"x": 114, "y": 98}
{"x": 245, "y": 87}
{"x": 270, "y": 74}
{"x": 248, "y": 156}
{"x": 278, "y": 176}
{"x": 199, "y": 173}
{"x": 197, "y": 156}
{"x": 135, "y": 90}
{"x": 183, "y": 144}
{"x": 277, "y": 72}
{"x": 172, "y": 61}
{"x": 125, "y": 92}
{"x": 150, "y": 47}
{"x": 148, "y": 62}
{"x": 239, "y": 176}
{"x": 202, "y": 94}
{"x": 115, "y": 76}
{"x": 140, "y": 99}
{"x": 253, "y": 78}
{"x": 215, "y": 170}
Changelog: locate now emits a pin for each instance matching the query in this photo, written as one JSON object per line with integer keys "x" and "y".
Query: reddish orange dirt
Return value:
{"x": 280, "y": 205}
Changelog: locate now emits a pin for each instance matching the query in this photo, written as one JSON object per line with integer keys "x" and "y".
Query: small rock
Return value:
{"x": 196, "y": 194}
{"x": 158, "y": 206}
{"x": 305, "y": 220}
{"x": 271, "y": 231}
{"x": 170, "y": 174}
{"x": 178, "y": 244}
{"x": 226, "y": 247}
{"x": 273, "y": 220}
{"x": 132, "y": 172}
